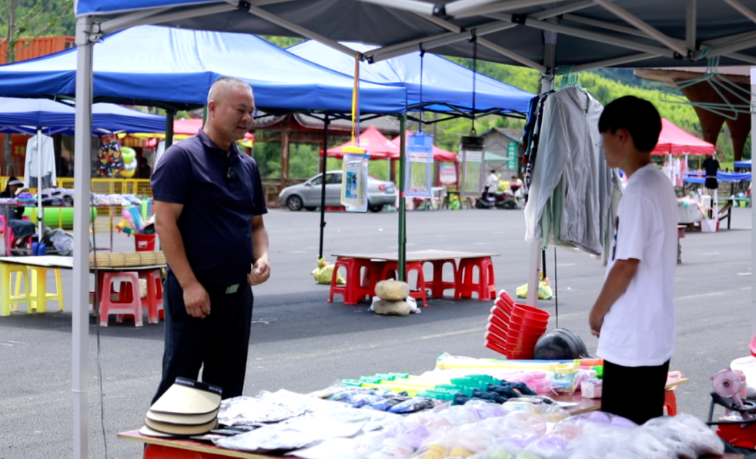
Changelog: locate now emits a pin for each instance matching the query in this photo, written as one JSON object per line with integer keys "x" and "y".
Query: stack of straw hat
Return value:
{"x": 188, "y": 408}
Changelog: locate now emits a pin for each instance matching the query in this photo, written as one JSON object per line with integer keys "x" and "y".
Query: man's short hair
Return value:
{"x": 493, "y": 171}
{"x": 638, "y": 116}
{"x": 226, "y": 82}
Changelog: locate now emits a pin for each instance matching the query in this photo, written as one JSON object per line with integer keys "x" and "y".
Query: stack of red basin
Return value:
{"x": 513, "y": 329}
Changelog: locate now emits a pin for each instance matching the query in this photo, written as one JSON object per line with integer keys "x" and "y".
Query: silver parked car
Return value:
{"x": 307, "y": 195}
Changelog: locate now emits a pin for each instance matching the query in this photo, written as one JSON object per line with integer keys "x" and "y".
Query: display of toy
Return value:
{"x": 109, "y": 157}
{"x": 129, "y": 162}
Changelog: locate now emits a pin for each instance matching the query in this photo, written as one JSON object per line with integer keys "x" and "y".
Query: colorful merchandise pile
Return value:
{"x": 465, "y": 408}
{"x": 132, "y": 222}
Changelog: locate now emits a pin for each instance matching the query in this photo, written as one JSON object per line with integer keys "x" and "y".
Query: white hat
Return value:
{"x": 188, "y": 397}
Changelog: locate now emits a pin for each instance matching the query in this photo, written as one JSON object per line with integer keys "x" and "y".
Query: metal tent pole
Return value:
{"x": 170, "y": 115}
{"x": 753, "y": 211}
{"x": 547, "y": 84}
{"x": 40, "y": 213}
{"x": 82, "y": 171}
{"x": 323, "y": 169}
{"x": 402, "y": 204}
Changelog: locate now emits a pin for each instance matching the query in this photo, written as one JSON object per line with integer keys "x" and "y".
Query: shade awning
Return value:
{"x": 376, "y": 144}
{"x": 26, "y": 115}
{"x": 174, "y": 67}
{"x": 432, "y": 82}
{"x": 674, "y": 140}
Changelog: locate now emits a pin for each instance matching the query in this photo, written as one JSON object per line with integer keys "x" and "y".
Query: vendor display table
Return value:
{"x": 183, "y": 448}
{"x": 62, "y": 263}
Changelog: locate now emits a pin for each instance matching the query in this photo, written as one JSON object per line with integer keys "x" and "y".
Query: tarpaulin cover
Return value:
{"x": 149, "y": 63}
{"x": 376, "y": 144}
{"x": 443, "y": 81}
{"x": 26, "y": 115}
{"x": 381, "y": 24}
{"x": 439, "y": 154}
{"x": 721, "y": 176}
{"x": 677, "y": 141}
{"x": 747, "y": 164}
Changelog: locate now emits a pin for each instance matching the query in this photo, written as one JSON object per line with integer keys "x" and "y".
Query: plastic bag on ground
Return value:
{"x": 324, "y": 273}
{"x": 62, "y": 241}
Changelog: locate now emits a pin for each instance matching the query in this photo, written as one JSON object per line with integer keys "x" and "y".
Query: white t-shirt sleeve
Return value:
{"x": 634, "y": 227}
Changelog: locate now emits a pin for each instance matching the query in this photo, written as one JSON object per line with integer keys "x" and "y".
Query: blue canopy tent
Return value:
{"x": 721, "y": 177}
{"x": 433, "y": 83}
{"x": 39, "y": 116}
{"x": 175, "y": 68}
{"x": 19, "y": 115}
{"x": 746, "y": 164}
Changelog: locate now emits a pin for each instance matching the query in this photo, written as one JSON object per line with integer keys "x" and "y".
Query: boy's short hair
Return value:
{"x": 638, "y": 116}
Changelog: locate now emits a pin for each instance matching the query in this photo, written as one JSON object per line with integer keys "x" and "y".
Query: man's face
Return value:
{"x": 614, "y": 147}
{"x": 232, "y": 112}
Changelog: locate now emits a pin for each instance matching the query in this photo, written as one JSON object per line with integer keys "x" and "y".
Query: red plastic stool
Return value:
{"x": 9, "y": 237}
{"x": 419, "y": 292}
{"x": 437, "y": 284}
{"x": 486, "y": 285}
{"x": 354, "y": 290}
{"x": 123, "y": 303}
{"x": 154, "y": 299}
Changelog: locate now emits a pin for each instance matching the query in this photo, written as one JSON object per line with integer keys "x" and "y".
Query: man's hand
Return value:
{"x": 196, "y": 300}
{"x": 595, "y": 320}
{"x": 260, "y": 272}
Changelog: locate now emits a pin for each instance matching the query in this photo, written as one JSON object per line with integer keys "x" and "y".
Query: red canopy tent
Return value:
{"x": 676, "y": 141}
{"x": 183, "y": 128}
{"x": 439, "y": 154}
{"x": 376, "y": 144}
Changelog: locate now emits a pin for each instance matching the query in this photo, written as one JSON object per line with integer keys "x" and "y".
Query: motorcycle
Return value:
{"x": 496, "y": 200}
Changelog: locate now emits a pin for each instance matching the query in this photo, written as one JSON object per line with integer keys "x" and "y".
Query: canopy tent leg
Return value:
{"x": 285, "y": 154}
{"x": 82, "y": 171}
{"x": 40, "y": 212}
{"x": 402, "y": 204}
{"x": 753, "y": 211}
{"x": 547, "y": 84}
{"x": 170, "y": 115}
{"x": 323, "y": 168}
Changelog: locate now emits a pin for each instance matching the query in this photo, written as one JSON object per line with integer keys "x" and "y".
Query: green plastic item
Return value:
{"x": 351, "y": 383}
{"x": 56, "y": 217}
{"x": 484, "y": 378}
{"x": 399, "y": 375}
{"x": 385, "y": 377}
{"x": 599, "y": 371}
{"x": 472, "y": 383}
{"x": 372, "y": 380}
{"x": 467, "y": 391}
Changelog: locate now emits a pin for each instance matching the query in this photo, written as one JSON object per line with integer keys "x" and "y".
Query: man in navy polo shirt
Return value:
{"x": 208, "y": 207}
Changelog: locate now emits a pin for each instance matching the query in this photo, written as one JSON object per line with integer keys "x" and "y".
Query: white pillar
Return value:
{"x": 82, "y": 171}
{"x": 753, "y": 208}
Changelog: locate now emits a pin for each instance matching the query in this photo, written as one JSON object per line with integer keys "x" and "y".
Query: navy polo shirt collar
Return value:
{"x": 208, "y": 143}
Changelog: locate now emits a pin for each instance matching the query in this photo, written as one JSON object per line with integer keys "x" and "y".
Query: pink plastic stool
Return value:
{"x": 419, "y": 292}
{"x": 7, "y": 231}
{"x": 123, "y": 303}
{"x": 154, "y": 299}
{"x": 354, "y": 290}
{"x": 486, "y": 285}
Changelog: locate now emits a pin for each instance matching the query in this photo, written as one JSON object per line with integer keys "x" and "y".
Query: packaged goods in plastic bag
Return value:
{"x": 544, "y": 290}
{"x": 248, "y": 411}
{"x": 324, "y": 273}
{"x": 62, "y": 241}
{"x": 267, "y": 438}
{"x": 685, "y": 435}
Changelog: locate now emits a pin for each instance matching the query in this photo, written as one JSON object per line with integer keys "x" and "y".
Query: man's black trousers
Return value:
{"x": 219, "y": 341}
{"x": 636, "y": 393}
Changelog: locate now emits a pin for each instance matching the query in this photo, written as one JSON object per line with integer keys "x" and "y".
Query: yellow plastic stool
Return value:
{"x": 8, "y": 299}
{"x": 38, "y": 293}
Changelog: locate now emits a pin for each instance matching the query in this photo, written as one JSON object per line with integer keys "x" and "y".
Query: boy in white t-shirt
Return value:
{"x": 634, "y": 315}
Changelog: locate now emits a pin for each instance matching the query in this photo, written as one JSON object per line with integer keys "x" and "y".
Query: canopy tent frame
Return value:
{"x": 652, "y": 46}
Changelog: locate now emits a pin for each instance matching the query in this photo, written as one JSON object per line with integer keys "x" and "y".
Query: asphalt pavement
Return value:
{"x": 303, "y": 343}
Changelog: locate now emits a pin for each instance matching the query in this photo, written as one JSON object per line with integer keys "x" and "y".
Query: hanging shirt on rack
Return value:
{"x": 48, "y": 162}
{"x": 570, "y": 164}
{"x": 711, "y": 165}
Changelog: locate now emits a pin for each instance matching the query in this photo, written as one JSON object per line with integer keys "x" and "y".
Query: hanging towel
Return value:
{"x": 49, "y": 178}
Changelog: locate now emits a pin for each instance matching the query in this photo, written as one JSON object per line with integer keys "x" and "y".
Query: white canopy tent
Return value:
{"x": 542, "y": 34}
